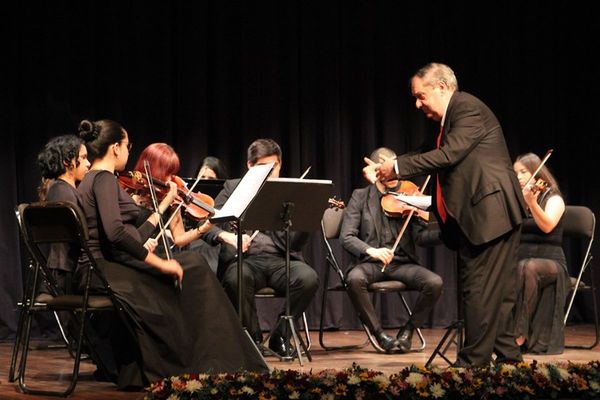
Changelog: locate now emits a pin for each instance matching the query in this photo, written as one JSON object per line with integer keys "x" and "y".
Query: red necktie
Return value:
{"x": 439, "y": 200}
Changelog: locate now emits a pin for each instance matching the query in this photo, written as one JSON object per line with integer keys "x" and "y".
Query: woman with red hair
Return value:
{"x": 164, "y": 163}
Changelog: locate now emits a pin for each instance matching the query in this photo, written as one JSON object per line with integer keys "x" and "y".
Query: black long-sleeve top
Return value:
{"x": 111, "y": 216}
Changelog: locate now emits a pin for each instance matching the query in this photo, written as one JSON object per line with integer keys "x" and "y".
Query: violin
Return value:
{"x": 197, "y": 206}
{"x": 539, "y": 185}
{"x": 394, "y": 207}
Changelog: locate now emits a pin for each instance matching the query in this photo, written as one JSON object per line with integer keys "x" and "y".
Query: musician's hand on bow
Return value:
{"x": 530, "y": 194}
{"x": 151, "y": 245}
{"x": 231, "y": 239}
{"x": 172, "y": 267}
{"x": 170, "y": 196}
{"x": 382, "y": 254}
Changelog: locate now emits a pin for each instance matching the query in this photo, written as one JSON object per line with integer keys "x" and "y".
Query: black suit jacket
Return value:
{"x": 361, "y": 230}
{"x": 479, "y": 186}
{"x": 228, "y": 253}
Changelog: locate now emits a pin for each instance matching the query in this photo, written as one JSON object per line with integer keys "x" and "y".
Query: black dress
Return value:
{"x": 193, "y": 331}
{"x": 545, "y": 329}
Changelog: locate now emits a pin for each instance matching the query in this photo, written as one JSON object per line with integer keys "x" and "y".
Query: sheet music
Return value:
{"x": 243, "y": 194}
{"x": 422, "y": 202}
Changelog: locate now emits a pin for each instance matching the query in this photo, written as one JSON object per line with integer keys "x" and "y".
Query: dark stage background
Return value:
{"x": 327, "y": 80}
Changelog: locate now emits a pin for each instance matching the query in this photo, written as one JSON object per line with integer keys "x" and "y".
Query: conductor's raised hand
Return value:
{"x": 369, "y": 171}
{"x": 385, "y": 169}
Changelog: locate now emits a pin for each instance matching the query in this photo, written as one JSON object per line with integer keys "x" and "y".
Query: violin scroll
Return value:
{"x": 335, "y": 203}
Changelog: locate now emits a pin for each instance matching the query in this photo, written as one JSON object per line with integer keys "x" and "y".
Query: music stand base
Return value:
{"x": 454, "y": 331}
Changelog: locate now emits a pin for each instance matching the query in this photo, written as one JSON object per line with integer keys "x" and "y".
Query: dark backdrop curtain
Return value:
{"x": 328, "y": 80}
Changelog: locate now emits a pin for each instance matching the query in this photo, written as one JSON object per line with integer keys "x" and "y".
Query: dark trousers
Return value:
{"x": 488, "y": 282}
{"x": 416, "y": 277}
{"x": 269, "y": 271}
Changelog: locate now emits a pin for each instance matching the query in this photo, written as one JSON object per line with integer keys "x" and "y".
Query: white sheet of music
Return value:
{"x": 244, "y": 192}
{"x": 422, "y": 202}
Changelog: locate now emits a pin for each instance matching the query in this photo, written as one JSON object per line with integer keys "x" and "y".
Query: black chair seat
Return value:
{"x": 266, "y": 292}
{"x": 387, "y": 286}
{"x": 70, "y": 302}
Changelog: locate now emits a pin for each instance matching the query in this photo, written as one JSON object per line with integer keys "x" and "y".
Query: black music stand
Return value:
{"x": 234, "y": 209}
{"x": 283, "y": 203}
{"x": 454, "y": 332}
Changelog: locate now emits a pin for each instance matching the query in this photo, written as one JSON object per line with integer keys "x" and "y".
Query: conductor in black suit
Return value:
{"x": 479, "y": 204}
{"x": 369, "y": 234}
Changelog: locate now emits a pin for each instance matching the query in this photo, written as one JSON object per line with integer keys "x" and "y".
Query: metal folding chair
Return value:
{"x": 579, "y": 223}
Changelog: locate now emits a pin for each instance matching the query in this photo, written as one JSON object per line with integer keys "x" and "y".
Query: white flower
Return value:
{"x": 173, "y": 396}
{"x": 437, "y": 391}
{"x": 247, "y": 389}
{"x": 509, "y": 368}
{"x": 294, "y": 395}
{"x": 414, "y": 378}
{"x": 193, "y": 385}
{"x": 564, "y": 374}
{"x": 353, "y": 380}
{"x": 381, "y": 380}
{"x": 327, "y": 396}
{"x": 456, "y": 377}
{"x": 595, "y": 386}
{"x": 544, "y": 371}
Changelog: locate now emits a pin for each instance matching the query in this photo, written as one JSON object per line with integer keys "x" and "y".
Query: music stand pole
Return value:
{"x": 286, "y": 216}
{"x": 240, "y": 272}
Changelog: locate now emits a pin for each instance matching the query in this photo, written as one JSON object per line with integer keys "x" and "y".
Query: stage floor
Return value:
{"x": 53, "y": 367}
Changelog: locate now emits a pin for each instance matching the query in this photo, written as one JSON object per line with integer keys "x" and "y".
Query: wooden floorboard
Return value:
{"x": 51, "y": 368}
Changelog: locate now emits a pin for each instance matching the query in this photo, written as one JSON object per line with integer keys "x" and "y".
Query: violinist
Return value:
{"x": 369, "y": 233}
{"x": 264, "y": 258}
{"x": 211, "y": 168}
{"x": 164, "y": 166}
{"x": 542, "y": 269}
{"x": 190, "y": 330}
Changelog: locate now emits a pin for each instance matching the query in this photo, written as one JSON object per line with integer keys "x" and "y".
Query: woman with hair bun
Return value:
{"x": 191, "y": 330}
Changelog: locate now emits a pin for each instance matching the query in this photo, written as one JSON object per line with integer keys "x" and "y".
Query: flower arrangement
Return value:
{"x": 503, "y": 381}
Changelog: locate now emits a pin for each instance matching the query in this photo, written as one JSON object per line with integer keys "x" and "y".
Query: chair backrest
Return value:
{"x": 332, "y": 222}
{"x": 54, "y": 222}
{"x": 579, "y": 221}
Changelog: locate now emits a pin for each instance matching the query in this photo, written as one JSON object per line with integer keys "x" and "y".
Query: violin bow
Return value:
{"x": 301, "y": 177}
{"x": 539, "y": 168}
{"x": 160, "y": 221}
{"x": 406, "y": 221}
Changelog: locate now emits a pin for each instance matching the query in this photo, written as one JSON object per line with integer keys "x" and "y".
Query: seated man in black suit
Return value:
{"x": 264, "y": 258}
{"x": 369, "y": 234}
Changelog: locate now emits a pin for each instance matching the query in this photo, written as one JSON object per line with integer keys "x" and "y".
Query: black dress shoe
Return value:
{"x": 404, "y": 337}
{"x": 277, "y": 345}
{"x": 257, "y": 337}
{"x": 386, "y": 341}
